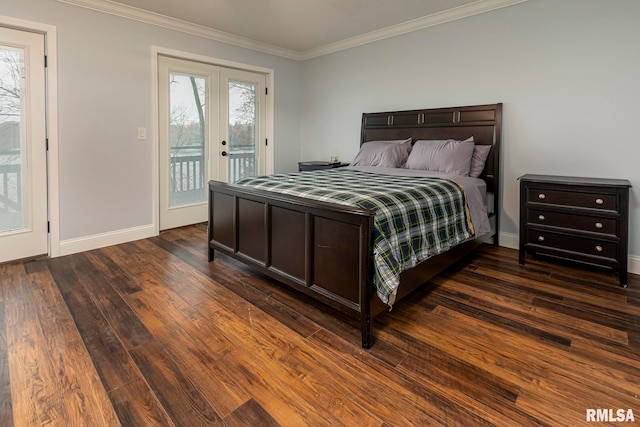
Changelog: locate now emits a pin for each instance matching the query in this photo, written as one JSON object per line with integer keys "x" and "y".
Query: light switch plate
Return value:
{"x": 142, "y": 133}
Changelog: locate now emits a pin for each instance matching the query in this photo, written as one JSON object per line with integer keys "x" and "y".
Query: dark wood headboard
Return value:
{"x": 483, "y": 122}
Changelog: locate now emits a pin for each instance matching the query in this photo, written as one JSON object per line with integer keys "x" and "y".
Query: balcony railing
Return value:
{"x": 187, "y": 174}
{"x": 10, "y": 188}
{"x": 242, "y": 164}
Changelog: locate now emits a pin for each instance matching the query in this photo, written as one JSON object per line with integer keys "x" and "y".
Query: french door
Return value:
{"x": 212, "y": 126}
{"x": 242, "y": 123}
{"x": 23, "y": 157}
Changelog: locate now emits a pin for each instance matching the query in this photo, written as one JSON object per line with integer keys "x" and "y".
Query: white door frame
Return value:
{"x": 51, "y": 91}
{"x": 156, "y": 51}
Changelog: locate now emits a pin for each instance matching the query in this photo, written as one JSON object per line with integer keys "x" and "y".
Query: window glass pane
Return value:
{"x": 243, "y": 130}
{"x": 12, "y": 141}
{"x": 187, "y": 139}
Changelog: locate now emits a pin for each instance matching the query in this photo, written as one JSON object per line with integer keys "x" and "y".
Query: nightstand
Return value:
{"x": 584, "y": 220}
{"x": 315, "y": 165}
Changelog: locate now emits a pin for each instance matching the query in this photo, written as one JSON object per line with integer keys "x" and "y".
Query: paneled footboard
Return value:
{"x": 320, "y": 249}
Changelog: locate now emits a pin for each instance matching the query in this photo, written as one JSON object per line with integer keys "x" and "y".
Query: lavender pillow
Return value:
{"x": 449, "y": 156}
{"x": 480, "y": 155}
{"x": 390, "y": 154}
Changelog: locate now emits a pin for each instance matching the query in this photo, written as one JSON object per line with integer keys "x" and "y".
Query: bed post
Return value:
{"x": 366, "y": 284}
{"x": 497, "y": 202}
{"x": 210, "y": 225}
{"x": 367, "y": 340}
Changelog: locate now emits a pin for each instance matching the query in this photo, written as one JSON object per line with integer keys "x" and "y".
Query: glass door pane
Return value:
{"x": 187, "y": 139}
{"x": 243, "y": 130}
{"x": 13, "y": 178}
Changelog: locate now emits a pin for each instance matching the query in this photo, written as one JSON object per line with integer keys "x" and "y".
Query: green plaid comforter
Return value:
{"x": 415, "y": 217}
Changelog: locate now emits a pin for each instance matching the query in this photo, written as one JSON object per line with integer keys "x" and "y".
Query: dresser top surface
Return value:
{"x": 575, "y": 180}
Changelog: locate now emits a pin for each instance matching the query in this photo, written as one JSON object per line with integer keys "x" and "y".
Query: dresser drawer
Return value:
{"x": 573, "y": 221}
{"x": 571, "y": 197}
{"x": 578, "y": 244}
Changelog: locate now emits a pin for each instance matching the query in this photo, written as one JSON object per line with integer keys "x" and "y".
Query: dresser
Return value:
{"x": 584, "y": 220}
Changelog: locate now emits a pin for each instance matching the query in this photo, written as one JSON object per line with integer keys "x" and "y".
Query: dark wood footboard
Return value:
{"x": 321, "y": 249}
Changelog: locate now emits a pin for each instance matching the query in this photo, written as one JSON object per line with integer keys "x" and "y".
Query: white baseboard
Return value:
{"x": 512, "y": 241}
{"x": 81, "y": 244}
{"x": 634, "y": 264}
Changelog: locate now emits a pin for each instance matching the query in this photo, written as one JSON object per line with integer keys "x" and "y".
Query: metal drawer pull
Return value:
{"x": 599, "y": 201}
{"x": 541, "y": 238}
{"x": 542, "y": 196}
{"x": 598, "y": 225}
{"x": 541, "y": 217}
{"x": 598, "y": 248}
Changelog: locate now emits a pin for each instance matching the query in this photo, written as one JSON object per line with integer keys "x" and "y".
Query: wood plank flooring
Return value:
{"x": 149, "y": 333}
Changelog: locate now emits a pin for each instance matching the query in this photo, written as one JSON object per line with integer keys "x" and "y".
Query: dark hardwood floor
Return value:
{"x": 150, "y": 333}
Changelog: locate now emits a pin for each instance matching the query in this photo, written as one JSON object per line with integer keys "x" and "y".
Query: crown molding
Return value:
{"x": 136, "y": 14}
{"x": 456, "y": 13}
{"x": 163, "y": 21}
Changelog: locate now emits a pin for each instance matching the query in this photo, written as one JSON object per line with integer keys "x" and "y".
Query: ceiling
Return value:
{"x": 297, "y": 27}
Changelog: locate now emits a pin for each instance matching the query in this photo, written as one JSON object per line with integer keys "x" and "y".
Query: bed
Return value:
{"x": 329, "y": 250}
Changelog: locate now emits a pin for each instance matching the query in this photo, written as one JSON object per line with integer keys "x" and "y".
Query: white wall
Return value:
{"x": 105, "y": 94}
{"x": 566, "y": 71}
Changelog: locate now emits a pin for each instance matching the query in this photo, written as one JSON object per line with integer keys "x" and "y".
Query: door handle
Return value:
{"x": 224, "y": 153}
